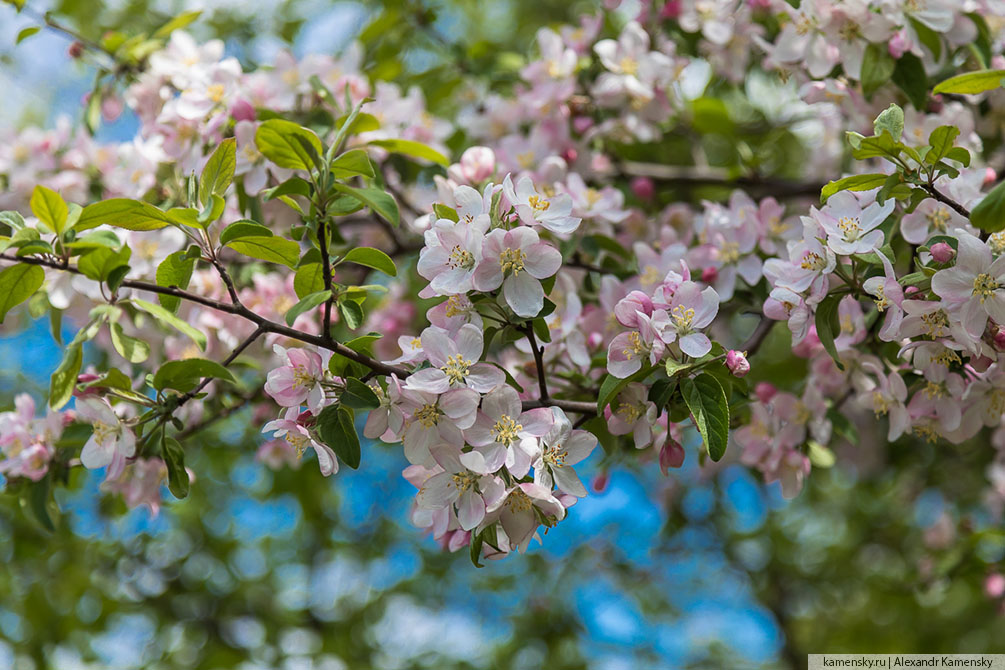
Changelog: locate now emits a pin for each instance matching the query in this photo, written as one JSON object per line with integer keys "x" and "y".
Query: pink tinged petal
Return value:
{"x": 470, "y": 510}
{"x": 437, "y": 345}
{"x": 994, "y": 305}
{"x": 437, "y": 492}
{"x": 459, "y": 403}
{"x": 524, "y": 294}
{"x": 569, "y": 482}
{"x": 480, "y": 433}
{"x": 503, "y": 401}
{"x": 430, "y": 380}
{"x": 973, "y": 317}
{"x": 95, "y": 455}
{"x": 581, "y": 444}
{"x": 517, "y": 462}
{"x": 543, "y": 260}
{"x": 536, "y": 422}
{"x": 620, "y": 364}
{"x": 973, "y": 256}
{"x": 376, "y": 424}
{"x": 953, "y": 284}
{"x": 695, "y": 344}
{"x": 326, "y": 459}
{"x": 488, "y": 275}
{"x": 483, "y": 377}
{"x": 469, "y": 342}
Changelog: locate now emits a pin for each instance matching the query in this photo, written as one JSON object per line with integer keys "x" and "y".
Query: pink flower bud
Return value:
{"x": 759, "y": 4}
{"x": 581, "y": 124}
{"x": 242, "y": 110}
{"x": 737, "y": 362}
{"x": 709, "y": 275}
{"x": 990, "y": 176}
{"x": 76, "y": 50}
{"x": 671, "y": 456}
{"x": 626, "y": 309}
{"x": 111, "y": 107}
{"x": 643, "y": 188}
{"x": 994, "y": 585}
{"x": 671, "y": 10}
{"x": 942, "y": 252}
{"x": 899, "y": 44}
{"x": 85, "y": 378}
{"x": 601, "y": 481}
{"x": 478, "y": 164}
{"x": 595, "y": 340}
{"x": 765, "y": 391}
{"x": 911, "y": 290}
{"x": 570, "y": 155}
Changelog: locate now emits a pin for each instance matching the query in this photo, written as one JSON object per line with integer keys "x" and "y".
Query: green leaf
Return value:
{"x": 352, "y": 163}
{"x": 50, "y": 208}
{"x": 17, "y": 284}
{"x": 130, "y": 348}
{"x": 890, "y": 120}
{"x": 38, "y": 499}
{"x": 335, "y": 426}
{"x": 182, "y": 20}
{"x": 243, "y": 228}
{"x": 821, "y": 456}
{"x": 168, "y": 318}
{"x": 185, "y": 374}
{"x": 910, "y": 77}
{"x": 270, "y": 249}
{"x": 972, "y": 82}
{"x": 413, "y": 149}
{"x": 877, "y": 68}
{"x": 219, "y": 171}
{"x": 444, "y": 212}
{"x": 278, "y": 141}
{"x": 960, "y": 155}
{"x": 380, "y": 202}
{"x": 351, "y": 313}
{"x": 989, "y": 214}
{"x": 306, "y": 304}
{"x": 371, "y": 258}
{"x": 174, "y": 271}
{"x": 26, "y": 33}
{"x": 94, "y": 240}
{"x": 64, "y": 379}
{"x": 174, "y": 459}
{"x": 707, "y": 401}
{"x": 98, "y": 264}
{"x": 827, "y": 324}
{"x": 308, "y": 279}
{"x": 929, "y": 38}
{"x": 358, "y": 395}
{"x": 123, "y": 213}
{"x": 941, "y": 140}
{"x": 858, "y": 182}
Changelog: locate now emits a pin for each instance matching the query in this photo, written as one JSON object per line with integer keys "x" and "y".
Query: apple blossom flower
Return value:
{"x": 692, "y": 309}
{"x": 300, "y": 379}
{"x": 111, "y": 441}
{"x": 518, "y": 512}
{"x": 432, "y": 420}
{"x": 974, "y": 288}
{"x": 560, "y": 449}
{"x": 889, "y": 297}
{"x": 517, "y": 260}
{"x": 469, "y": 491}
{"x": 140, "y": 484}
{"x": 455, "y": 362}
{"x": 850, "y": 228}
{"x": 633, "y": 412}
{"x": 499, "y": 433}
{"x": 737, "y": 363}
{"x": 291, "y": 427}
{"x": 452, "y": 252}
{"x": 553, "y": 213}
{"x": 627, "y": 350}
{"x": 389, "y": 415}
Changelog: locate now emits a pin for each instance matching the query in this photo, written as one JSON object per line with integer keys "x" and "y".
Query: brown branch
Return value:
{"x": 946, "y": 200}
{"x": 757, "y": 338}
{"x": 542, "y": 384}
{"x": 690, "y": 176}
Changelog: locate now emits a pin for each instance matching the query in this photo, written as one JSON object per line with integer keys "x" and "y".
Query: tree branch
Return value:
{"x": 946, "y": 200}
{"x": 690, "y": 176}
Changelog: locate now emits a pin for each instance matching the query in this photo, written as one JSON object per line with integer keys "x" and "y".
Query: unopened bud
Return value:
{"x": 709, "y": 275}
{"x": 765, "y": 391}
{"x": 942, "y": 252}
{"x": 994, "y": 585}
{"x": 737, "y": 362}
{"x": 478, "y": 164}
{"x": 990, "y": 176}
{"x": 601, "y": 481}
{"x": 643, "y": 188}
{"x": 76, "y": 50}
{"x": 1000, "y": 338}
{"x": 671, "y": 456}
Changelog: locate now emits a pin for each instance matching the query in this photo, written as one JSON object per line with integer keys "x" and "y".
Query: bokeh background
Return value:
{"x": 264, "y": 569}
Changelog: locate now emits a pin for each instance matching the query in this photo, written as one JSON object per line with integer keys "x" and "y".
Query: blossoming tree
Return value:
{"x": 592, "y": 251}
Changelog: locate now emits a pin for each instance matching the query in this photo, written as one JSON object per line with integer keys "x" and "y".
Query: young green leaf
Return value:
{"x": 183, "y": 375}
{"x": 380, "y": 202}
{"x": 130, "y": 348}
{"x": 243, "y": 228}
{"x": 281, "y": 142}
{"x": 98, "y": 264}
{"x": 890, "y": 120}
{"x": 707, "y": 402}
{"x": 858, "y": 182}
{"x": 17, "y": 284}
{"x": 351, "y": 164}
{"x": 174, "y": 459}
{"x": 219, "y": 171}
{"x": 358, "y": 395}
{"x": 308, "y": 279}
{"x": 826, "y": 324}
{"x": 64, "y": 379}
{"x": 123, "y": 213}
{"x": 941, "y": 140}
{"x": 413, "y": 149}
{"x": 972, "y": 82}
{"x": 336, "y": 429}
{"x": 371, "y": 258}
{"x": 306, "y": 304}
{"x": 50, "y": 208}
{"x": 351, "y": 313}
{"x": 989, "y": 213}
{"x": 168, "y": 318}
{"x": 270, "y": 249}
{"x": 175, "y": 270}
